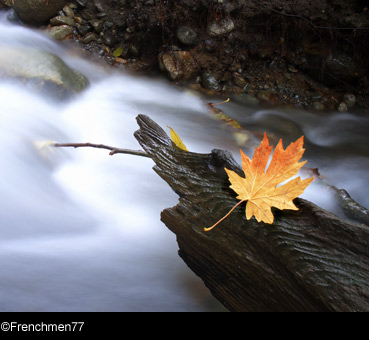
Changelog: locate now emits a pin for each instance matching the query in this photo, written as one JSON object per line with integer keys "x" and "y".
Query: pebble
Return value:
{"x": 342, "y": 107}
{"x": 293, "y": 69}
{"x": 220, "y": 28}
{"x": 83, "y": 29}
{"x": 97, "y": 25}
{"x": 209, "y": 81}
{"x": 68, "y": 11}
{"x": 60, "y": 32}
{"x": 62, "y": 20}
{"x": 187, "y": 35}
{"x": 89, "y": 37}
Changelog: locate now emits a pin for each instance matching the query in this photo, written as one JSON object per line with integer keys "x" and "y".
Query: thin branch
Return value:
{"x": 113, "y": 150}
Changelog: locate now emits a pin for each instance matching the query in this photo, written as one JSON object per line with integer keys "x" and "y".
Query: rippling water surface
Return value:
{"x": 80, "y": 230}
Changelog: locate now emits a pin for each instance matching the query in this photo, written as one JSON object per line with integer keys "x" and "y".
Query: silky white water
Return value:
{"x": 80, "y": 230}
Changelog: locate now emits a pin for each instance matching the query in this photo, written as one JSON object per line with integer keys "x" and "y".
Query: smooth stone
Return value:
{"x": 60, "y": 32}
{"x": 342, "y": 107}
{"x": 90, "y": 37}
{"x": 180, "y": 65}
{"x": 97, "y": 25}
{"x": 349, "y": 99}
{"x": 187, "y": 35}
{"x": 42, "y": 68}
{"x": 36, "y": 12}
{"x": 209, "y": 81}
{"x": 220, "y": 28}
{"x": 62, "y": 20}
{"x": 68, "y": 11}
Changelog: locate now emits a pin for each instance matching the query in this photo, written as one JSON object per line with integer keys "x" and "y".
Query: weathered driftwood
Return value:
{"x": 308, "y": 260}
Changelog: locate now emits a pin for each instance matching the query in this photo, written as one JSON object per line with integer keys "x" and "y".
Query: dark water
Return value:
{"x": 80, "y": 230}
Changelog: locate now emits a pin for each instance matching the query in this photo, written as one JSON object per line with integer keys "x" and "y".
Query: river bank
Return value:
{"x": 274, "y": 53}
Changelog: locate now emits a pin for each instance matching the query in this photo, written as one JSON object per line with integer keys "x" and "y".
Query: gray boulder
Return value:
{"x": 40, "y": 70}
{"x": 37, "y": 12}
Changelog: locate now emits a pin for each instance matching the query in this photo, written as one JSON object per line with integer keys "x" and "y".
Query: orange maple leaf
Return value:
{"x": 262, "y": 187}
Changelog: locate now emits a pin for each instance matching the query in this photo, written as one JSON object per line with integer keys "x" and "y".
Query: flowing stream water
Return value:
{"x": 80, "y": 230}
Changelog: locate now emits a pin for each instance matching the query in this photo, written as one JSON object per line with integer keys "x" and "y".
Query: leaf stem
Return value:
{"x": 208, "y": 229}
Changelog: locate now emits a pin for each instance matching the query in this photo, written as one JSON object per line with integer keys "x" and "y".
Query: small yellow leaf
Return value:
{"x": 177, "y": 140}
{"x": 118, "y": 52}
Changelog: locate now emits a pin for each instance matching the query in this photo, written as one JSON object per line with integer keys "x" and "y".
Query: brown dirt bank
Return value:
{"x": 303, "y": 53}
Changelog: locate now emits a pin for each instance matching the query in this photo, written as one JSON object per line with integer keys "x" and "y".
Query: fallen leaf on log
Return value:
{"x": 177, "y": 140}
{"x": 261, "y": 187}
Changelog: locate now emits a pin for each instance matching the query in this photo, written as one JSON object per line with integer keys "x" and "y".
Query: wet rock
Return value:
{"x": 220, "y": 28}
{"x": 180, "y": 65}
{"x": 97, "y": 25}
{"x": 209, "y": 81}
{"x": 62, "y": 20}
{"x": 89, "y": 37}
{"x": 187, "y": 35}
{"x": 83, "y": 29}
{"x": 60, "y": 32}
{"x": 37, "y": 12}
{"x": 349, "y": 99}
{"x": 42, "y": 68}
{"x": 68, "y": 11}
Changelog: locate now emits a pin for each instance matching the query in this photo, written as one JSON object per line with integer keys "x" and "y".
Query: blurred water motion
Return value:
{"x": 80, "y": 230}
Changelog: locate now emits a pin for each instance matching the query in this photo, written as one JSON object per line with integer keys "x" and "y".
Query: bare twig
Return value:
{"x": 113, "y": 150}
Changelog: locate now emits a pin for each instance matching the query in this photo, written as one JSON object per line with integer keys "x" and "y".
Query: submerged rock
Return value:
{"x": 37, "y": 12}
{"x": 44, "y": 71}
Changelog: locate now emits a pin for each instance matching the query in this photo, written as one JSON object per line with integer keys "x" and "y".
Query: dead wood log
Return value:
{"x": 308, "y": 260}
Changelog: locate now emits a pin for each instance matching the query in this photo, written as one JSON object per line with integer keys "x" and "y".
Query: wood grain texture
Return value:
{"x": 308, "y": 260}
